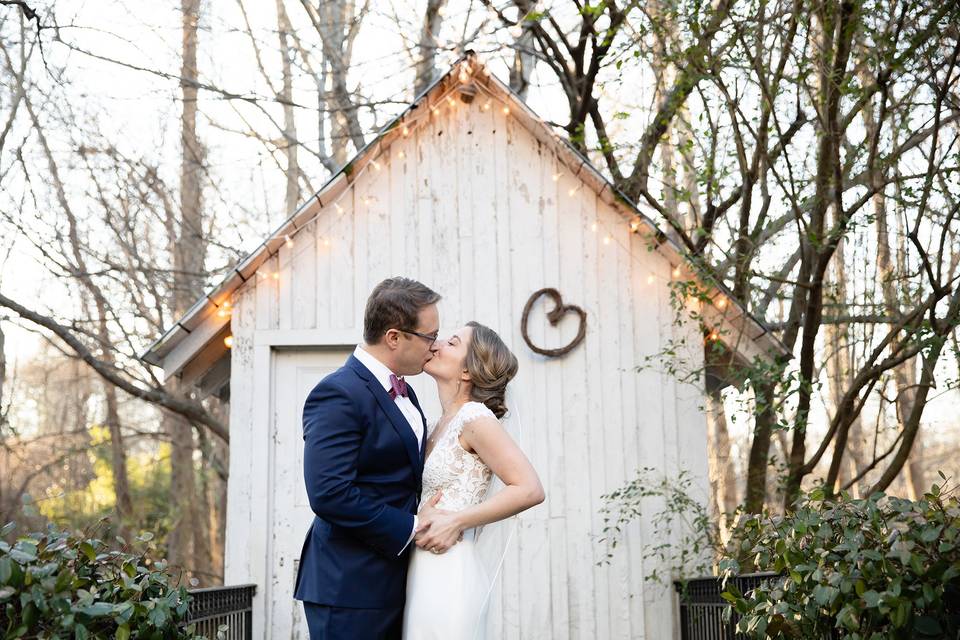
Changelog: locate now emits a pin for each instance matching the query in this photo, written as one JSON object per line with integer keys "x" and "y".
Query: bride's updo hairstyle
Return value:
{"x": 491, "y": 366}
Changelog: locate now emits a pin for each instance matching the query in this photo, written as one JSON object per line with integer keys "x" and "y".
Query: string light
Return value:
{"x": 228, "y": 342}
{"x": 405, "y": 131}
{"x": 288, "y": 241}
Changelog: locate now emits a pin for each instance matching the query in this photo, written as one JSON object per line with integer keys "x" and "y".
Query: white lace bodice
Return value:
{"x": 461, "y": 475}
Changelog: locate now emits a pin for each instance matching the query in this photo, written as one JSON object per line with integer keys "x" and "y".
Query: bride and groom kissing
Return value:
{"x": 394, "y": 550}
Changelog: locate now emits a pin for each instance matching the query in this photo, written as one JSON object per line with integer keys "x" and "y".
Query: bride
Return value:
{"x": 448, "y": 584}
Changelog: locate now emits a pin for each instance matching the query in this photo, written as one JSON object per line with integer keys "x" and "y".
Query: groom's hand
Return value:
{"x": 438, "y": 530}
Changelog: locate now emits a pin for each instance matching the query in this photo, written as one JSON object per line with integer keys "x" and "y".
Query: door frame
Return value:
{"x": 266, "y": 342}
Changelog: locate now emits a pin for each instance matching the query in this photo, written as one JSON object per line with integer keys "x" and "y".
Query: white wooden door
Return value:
{"x": 295, "y": 374}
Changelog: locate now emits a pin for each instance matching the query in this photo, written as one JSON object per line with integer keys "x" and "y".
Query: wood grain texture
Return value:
{"x": 481, "y": 210}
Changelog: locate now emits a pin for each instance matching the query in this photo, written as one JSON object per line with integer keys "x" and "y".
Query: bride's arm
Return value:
{"x": 487, "y": 438}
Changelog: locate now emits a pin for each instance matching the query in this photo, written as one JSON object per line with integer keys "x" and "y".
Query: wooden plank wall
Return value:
{"x": 481, "y": 211}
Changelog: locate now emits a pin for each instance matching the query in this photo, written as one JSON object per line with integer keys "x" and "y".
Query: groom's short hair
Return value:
{"x": 395, "y": 303}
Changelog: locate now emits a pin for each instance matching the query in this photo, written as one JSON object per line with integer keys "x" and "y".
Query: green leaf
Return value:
{"x": 87, "y": 549}
{"x": 927, "y": 626}
{"x": 96, "y": 609}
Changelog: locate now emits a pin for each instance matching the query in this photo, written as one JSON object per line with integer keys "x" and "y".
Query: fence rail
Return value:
{"x": 215, "y": 607}
{"x": 702, "y": 609}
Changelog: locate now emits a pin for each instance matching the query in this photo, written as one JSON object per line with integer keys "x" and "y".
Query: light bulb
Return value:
{"x": 401, "y": 154}
{"x": 228, "y": 342}
{"x": 721, "y": 303}
{"x": 634, "y": 225}
{"x": 606, "y": 240}
{"x": 486, "y": 106}
{"x": 506, "y": 111}
{"x": 376, "y": 165}
{"x": 650, "y": 279}
{"x": 405, "y": 131}
{"x": 557, "y": 175}
{"x": 288, "y": 241}
{"x": 676, "y": 272}
{"x": 276, "y": 275}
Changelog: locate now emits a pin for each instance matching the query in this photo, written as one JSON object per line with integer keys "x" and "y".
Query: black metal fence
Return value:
{"x": 216, "y": 607}
{"x": 702, "y": 609}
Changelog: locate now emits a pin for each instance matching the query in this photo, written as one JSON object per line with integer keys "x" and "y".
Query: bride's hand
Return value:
{"x": 438, "y": 530}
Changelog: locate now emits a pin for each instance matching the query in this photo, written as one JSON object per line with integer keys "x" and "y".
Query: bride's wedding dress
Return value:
{"x": 447, "y": 594}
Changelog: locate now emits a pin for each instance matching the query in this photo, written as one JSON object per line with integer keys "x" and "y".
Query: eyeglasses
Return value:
{"x": 431, "y": 339}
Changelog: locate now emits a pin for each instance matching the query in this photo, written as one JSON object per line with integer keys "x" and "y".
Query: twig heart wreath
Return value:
{"x": 554, "y": 317}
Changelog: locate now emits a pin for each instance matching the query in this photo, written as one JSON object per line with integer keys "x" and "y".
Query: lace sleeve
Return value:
{"x": 471, "y": 411}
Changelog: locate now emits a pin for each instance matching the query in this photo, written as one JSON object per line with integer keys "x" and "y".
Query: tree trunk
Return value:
{"x": 758, "y": 462}
{"x": 427, "y": 47}
{"x": 3, "y": 378}
{"x": 118, "y": 460}
{"x": 723, "y": 478}
{"x": 523, "y": 63}
{"x": 292, "y": 198}
{"x": 189, "y": 250}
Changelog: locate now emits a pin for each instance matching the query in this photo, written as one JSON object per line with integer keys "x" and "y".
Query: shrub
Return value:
{"x": 880, "y": 567}
{"x": 56, "y": 584}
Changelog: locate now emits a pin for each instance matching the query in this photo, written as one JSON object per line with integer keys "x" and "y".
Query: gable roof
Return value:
{"x": 759, "y": 340}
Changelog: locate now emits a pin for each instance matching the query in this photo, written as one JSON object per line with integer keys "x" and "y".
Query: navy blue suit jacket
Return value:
{"x": 363, "y": 470}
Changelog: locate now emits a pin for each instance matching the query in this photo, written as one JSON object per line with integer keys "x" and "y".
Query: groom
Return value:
{"x": 364, "y": 440}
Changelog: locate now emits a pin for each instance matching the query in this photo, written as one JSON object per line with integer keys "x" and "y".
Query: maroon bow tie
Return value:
{"x": 398, "y": 387}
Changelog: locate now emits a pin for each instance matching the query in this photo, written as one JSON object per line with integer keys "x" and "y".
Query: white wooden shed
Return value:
{"x": 473, "y": 194}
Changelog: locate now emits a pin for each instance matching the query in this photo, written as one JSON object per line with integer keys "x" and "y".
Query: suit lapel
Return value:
{"x": 423, "y": 421}
{"x": 397, "y": 419}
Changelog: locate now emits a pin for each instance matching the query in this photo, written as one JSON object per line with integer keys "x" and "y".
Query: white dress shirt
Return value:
{"x": 382, "y": 373}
